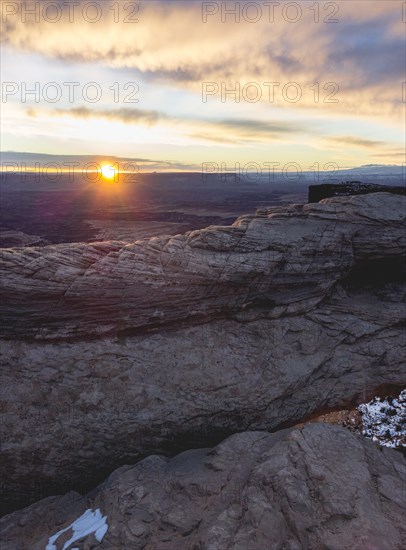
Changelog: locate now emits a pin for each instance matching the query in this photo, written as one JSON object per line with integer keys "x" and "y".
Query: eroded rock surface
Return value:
{"x": 314, "y": 488}
{"x": 287, "y": 258}
{"x": 285, "y": 318}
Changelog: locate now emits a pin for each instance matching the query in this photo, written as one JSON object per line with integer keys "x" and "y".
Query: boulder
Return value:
{"x": 309, "y": 489}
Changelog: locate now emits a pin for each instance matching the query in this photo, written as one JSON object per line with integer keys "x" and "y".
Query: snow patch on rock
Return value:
{"x": 384, "y": 420}
{"x": 88, "y": 523}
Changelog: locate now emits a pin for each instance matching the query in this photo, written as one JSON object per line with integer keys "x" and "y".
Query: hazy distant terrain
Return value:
{"x": 36, "y": 211}
{"x": 41, "y": 212}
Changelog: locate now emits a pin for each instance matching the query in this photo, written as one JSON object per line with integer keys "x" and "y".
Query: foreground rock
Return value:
{"x": 315, "y": 488}
{"x": 73, "y": 411}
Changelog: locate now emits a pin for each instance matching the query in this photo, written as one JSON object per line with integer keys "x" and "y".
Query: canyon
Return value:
{"x": 115, "y": 352}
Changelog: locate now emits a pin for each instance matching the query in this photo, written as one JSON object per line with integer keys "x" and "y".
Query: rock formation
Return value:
{"x": 346, "y": 188}
{"x": 114, "y": 351}
{"x": 314, "y": 488}
{"x": 286, "y": 258}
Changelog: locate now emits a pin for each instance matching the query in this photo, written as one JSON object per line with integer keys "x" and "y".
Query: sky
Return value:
{"x": 180, "y": 84}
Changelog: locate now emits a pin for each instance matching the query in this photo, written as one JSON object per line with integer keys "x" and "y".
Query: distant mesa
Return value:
{"x": 346, "y": 188}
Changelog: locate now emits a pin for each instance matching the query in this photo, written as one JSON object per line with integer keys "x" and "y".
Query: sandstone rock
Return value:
{"x": 288, "y": 261}
{"x": 314, "y": 488}
{"x": 257, "y": 342}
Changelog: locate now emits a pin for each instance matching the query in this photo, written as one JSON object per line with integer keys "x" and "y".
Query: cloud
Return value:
{"x": 356, "y": 142}
{"x": 258, "y": 126}
{"x": 363, "y": 52}
{"x": 31, "y": 159}
{"x": 125, "y": 115}
{"x": 394, "y": 153}
{"x": 378, "y": 149}
{"x": 227, "y": 131}
{"x": 238, "y": 131}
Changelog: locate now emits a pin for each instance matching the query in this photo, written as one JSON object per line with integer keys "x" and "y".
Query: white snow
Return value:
{"x": 384, "y": 420}
{"x": 88, "y": 523}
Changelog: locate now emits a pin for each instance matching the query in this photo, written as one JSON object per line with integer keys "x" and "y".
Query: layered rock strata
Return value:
{"x": 114, "y": 351}
{"x": 286, "y": 258}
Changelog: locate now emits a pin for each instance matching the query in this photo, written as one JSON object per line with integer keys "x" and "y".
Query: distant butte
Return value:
{"x": 346, "y": 188}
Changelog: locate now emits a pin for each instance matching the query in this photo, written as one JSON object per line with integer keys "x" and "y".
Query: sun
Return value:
{"x": 108, "y": 171}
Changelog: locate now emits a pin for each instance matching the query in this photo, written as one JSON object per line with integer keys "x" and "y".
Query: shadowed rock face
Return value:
{"x": 314, "y": 488}
{"x": 279, "y": 327}
{"x": 327, "y": 190}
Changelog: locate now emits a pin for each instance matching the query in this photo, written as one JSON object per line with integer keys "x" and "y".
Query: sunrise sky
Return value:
{"x": 166, "y": 60}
